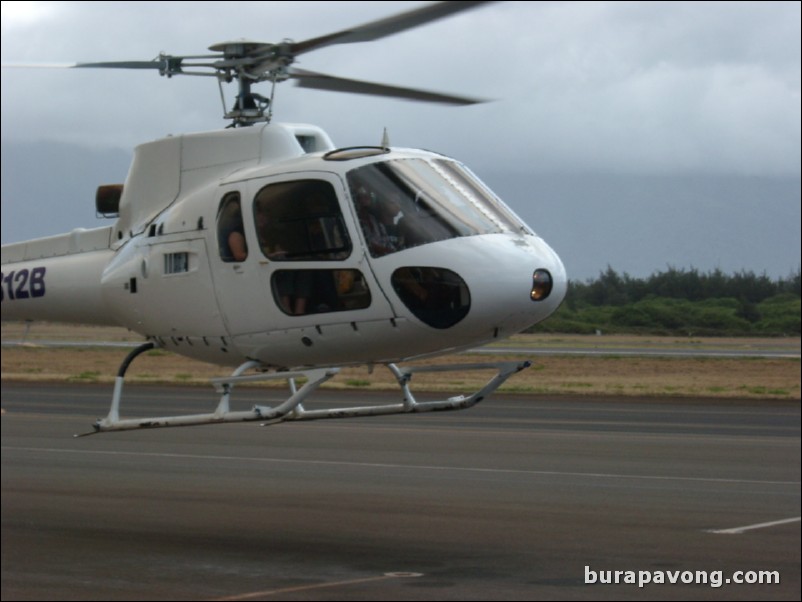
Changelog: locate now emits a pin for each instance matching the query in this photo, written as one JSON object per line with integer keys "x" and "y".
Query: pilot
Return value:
{"x": 392, "y": 218}
{"x": 380, "y": 242}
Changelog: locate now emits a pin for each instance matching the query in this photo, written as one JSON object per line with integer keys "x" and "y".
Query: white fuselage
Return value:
{"x": 267, "y": 244}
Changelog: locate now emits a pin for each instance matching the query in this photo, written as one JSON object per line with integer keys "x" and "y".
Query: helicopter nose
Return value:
{"x": 483, "y": 287}
{"x": 521, "y": 283}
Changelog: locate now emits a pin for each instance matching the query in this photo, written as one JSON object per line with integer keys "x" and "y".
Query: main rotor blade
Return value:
{"x": 122, "y": 65}
{"x": 106, "y": 65}
{"x": 385, "y": 27}
{"x": 320, "y": 81}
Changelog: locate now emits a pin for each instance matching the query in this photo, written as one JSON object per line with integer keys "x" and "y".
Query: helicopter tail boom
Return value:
{"x": 57, "y": 278}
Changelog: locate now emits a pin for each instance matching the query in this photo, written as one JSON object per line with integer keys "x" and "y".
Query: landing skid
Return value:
{"x": 292, "y": 408}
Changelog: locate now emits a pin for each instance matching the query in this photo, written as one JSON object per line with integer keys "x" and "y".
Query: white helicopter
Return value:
{"x": 264, "y": 246}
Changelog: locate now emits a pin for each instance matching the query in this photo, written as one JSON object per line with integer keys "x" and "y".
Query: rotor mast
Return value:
{"x": 250, "y": 62}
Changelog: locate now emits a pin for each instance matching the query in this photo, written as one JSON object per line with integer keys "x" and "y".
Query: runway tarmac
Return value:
{"x": 779, "y": 348}
{"x": 517, "y": 499}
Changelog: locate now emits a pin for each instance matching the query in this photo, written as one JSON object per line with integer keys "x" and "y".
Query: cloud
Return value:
{"x": 617, "y": 128}
{"x": 658, "y": 87}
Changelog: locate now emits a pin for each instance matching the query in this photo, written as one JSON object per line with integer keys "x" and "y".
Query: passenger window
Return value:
{"x": 300, "y": 221}
{"x": 436, "y": 296}
{"x": 303, "y": 292}
{"x": 230, "y": 231}
{"x": 176, "y": 263}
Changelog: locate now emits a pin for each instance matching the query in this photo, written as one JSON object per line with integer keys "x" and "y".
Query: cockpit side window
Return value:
{"x": 300, "y": 221}
{"x": 393, "y": 213}
{"x": 411, "y": 202}
{"x": 230, "y": 230}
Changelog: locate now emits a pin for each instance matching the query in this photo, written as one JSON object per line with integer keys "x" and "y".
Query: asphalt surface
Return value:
{"x": 516, "y": 499}
{"x": 778, "y": 348}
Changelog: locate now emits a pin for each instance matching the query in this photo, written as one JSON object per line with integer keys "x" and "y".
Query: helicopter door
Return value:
{"x": 232, "y": 258}
{"x": 315, "y": 284}
{"x": 311, "y": 265}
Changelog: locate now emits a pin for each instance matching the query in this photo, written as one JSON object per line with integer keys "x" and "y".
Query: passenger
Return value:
{"x": 238, "y": 246}
{"x": 266, "y": 232}
{"x": 293, "y": 288}
{"x": 232, "y": 233}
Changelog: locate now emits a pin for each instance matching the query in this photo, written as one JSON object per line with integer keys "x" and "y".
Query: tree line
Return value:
{"x": 681, "y": 302}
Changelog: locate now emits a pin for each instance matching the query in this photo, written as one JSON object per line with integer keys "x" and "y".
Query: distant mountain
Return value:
{"x": 640, "y": 224}
{"x": 49, "y": 187}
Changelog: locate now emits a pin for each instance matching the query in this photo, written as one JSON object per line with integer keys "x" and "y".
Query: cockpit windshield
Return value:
{"x": 406, "y": 203}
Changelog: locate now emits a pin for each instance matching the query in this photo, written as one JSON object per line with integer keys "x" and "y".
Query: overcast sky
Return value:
{"x": 604, "y": 88}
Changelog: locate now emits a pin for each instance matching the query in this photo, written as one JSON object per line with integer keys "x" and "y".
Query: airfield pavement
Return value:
{"x": 523, "y": 497}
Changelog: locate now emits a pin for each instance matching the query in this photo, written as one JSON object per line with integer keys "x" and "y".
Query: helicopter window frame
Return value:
{"x": 485, "y": 200}
{"x": 229, "y": 223}
{"x": 301, "y": 220}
